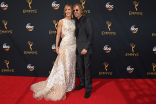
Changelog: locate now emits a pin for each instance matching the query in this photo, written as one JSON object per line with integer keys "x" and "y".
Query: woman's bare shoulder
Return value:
{"x": 60, "y": 21}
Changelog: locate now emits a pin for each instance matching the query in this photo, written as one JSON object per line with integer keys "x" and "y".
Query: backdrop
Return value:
{"x": 124, "y": 37}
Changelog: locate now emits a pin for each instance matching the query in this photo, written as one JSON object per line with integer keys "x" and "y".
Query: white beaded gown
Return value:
{"x": 62, "y": 76}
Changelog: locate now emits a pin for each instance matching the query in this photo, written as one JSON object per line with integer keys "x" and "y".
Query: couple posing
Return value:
{"x": 77, "y": 38}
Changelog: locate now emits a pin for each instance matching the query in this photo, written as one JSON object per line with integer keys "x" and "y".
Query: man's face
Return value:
{"x": 77, "y": 12}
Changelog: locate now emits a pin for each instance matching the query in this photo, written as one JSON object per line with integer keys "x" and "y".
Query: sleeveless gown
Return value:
{"x": 62, "y": 76}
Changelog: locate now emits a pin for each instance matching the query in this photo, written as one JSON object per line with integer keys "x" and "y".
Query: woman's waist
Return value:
{"x": 69, "y": 37}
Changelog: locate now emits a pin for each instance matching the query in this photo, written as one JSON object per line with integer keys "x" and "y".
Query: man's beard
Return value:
{"x": 76, "y": 15}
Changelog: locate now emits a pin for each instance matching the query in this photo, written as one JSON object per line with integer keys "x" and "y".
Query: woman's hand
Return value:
{"x": 57, "y": 51}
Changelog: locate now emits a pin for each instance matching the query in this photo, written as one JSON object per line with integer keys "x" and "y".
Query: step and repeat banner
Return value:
{"x": 124, "y": 37}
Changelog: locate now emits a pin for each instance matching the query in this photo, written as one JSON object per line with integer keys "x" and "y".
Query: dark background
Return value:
{"x": 43, "y": 41}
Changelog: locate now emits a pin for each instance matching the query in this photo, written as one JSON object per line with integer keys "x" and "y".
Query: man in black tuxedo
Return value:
{"x": 84, "y": 38}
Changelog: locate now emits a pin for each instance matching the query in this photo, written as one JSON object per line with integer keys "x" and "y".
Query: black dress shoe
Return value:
{"x": 87, "y": 95}
{"x": 79, "y": 87}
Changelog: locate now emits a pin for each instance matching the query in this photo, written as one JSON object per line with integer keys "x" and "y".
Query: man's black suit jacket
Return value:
{"x": 84, "y": 36}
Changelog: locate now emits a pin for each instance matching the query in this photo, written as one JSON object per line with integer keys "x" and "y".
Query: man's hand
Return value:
{"x": 62, "y": 35}
{"x": 84, "y": 51}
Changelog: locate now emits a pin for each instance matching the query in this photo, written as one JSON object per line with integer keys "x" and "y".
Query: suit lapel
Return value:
{"x": 77, "y": 30}
{"x": 80, "y": 22}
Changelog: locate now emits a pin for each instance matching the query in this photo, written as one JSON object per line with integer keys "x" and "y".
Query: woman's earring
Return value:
{"x": 72, "y": 15}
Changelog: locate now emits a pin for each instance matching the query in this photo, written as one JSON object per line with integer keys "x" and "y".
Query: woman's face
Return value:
{"x": 68, "y": 12}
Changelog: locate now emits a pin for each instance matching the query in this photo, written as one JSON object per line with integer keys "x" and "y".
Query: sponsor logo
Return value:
{"x": 154, "y": 49}
{"x": 29, "y": 28}
{"x": 129, "y": 69}
{"x": 54, "y": 47}
{"x": 30, "y": 67}
{"x": 55, "y": 6}
{"x": 133, "y": 29}
{"x": 109, "y": 7}
{"x": 4, "y": 6}
{"x": 107, "y": 49}
{"x": 6, "y": 47}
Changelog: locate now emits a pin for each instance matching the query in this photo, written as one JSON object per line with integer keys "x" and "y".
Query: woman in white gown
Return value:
{"x": 62, "y": 76}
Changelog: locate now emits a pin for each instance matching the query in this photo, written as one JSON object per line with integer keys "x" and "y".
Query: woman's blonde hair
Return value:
{"x": 65, "y": 7}
{"x": 81, "y": 8}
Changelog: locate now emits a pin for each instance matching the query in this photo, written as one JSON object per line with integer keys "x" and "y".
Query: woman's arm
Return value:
{"x": 59, "y": 27}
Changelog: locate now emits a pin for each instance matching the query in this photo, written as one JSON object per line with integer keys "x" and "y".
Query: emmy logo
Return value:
{"x": 30, "y": 52}
{"x": 105, "y": 73}
{"x": 30, "y": 68}
{"x": 135, "y": 13}
{"x": 29, "y": 2}
{"x": 54, "y": 21}
{"x": 154, "y": 49}
{"x": 109, "y": 24}
{"x": 83, "y": 2}
{"x": 136, "y": 5}
{"x": 152, "y": 73}
{"x": 154, "y": 65}
{"x": 29, "y": 28}
{"x": 5, "y": 23}
{"x": 106, "y": 65}
{"x": 107, "y": 49}
{"x": 133, "y": 29}
{"x": 55, "y": 6}
{"x": 132, "y": 54}
{"x": 7, "y": 63}
{"x": 5, "y": 26}
{"x": 133, "y": 46}
{"x": 109, "y": 7}
{"x": 129, "y": 69}
{"x": 4, "y": 6}
{"x": 5, "y": 47}
{"x": 108, "y": 32}
{"x": 54, "y": 47}
{"x": 153, "y": 34}
{"x": 30, "y": 10}
{"x": 30, "y": 44}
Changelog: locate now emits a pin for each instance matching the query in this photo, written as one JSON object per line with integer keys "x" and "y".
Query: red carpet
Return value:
{"x": 15, "y": 90}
